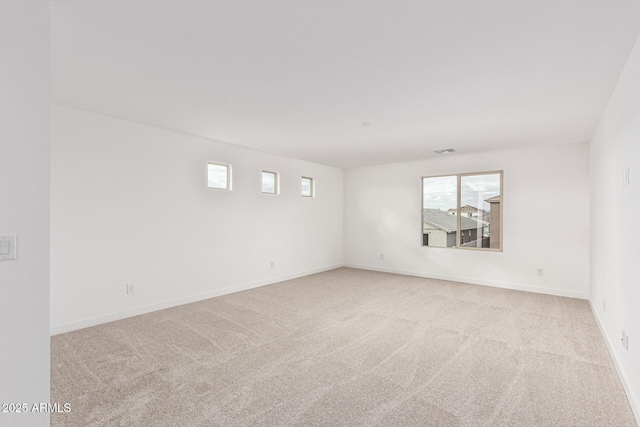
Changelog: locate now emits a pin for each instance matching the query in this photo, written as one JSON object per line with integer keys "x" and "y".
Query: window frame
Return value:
{"x": 312, "y": 187}
{"x": 276, "y": 182}
{"x": 228, "y": 167}
{"x": 458, "y": 208}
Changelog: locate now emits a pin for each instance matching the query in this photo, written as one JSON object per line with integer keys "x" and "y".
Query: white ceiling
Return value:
{"x": 299, "y": 77}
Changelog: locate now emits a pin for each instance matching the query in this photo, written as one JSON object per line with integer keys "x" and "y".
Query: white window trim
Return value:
{"x": 226, "y": 165}
{"x": 312, "y": 187}
{"x": 276, "y": 182}
{"x": 458, "y": 213}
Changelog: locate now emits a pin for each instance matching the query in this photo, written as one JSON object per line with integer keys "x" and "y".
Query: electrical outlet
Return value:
{"x": 381, "y": 256}
{"x": 7, "y": 247}
{"x": 540, "y": 272}
{"x": 625, "y": 340}
{"x": 273, "y": 264}
{"x": 130, "y": 288}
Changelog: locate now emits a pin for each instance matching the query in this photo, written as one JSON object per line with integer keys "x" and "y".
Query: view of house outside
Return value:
{"x": 480, "y": 219}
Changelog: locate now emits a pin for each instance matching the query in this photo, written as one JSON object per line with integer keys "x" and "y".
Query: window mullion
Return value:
{"x": 459, "y": 213}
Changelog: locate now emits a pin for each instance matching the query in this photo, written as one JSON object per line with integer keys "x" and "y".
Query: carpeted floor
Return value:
{"x": 345, "y": 347}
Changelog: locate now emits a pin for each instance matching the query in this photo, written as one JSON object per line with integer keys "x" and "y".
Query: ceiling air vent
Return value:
{"x": 444, "y": 151}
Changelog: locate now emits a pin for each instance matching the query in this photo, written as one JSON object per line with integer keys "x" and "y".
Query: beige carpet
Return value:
{"x": 345, "y": 347}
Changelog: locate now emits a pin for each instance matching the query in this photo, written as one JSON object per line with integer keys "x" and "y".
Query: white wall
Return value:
{"x": 130, "y": 205}
{"x": 546, "y": 220}
{"x": 24, "y": 207}
{"x": 615, "y": 235}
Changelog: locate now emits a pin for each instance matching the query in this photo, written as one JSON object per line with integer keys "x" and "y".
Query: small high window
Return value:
{"x": 219, "y": 176}
{"x": 307, "y": 187}
{"x": 270, "y": 182}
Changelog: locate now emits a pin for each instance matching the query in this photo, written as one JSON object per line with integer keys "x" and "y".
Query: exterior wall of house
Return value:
{"x": 495, "y": 226}
{"x": 451, "y": 239}
{"x": 469, "y": 235}
{"x": 437, "y": 237}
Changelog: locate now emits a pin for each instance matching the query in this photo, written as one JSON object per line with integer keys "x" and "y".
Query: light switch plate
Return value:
{"x": 7, "y": 247}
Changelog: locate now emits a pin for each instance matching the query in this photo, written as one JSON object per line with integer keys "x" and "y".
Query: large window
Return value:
{"x": 463, "y": 211}
{"x": 219, "y": 176}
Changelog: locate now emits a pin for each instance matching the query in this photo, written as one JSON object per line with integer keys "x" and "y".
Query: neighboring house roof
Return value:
{"x": 495, "y": 199}
{"x": 444, "y": 221}
{"x": 468, "y": 208}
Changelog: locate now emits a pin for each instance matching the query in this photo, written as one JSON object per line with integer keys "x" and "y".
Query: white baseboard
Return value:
{"x": 473, "y": 281}
{"x": 633, "y": 401}
{"x": 110, "y": 317}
